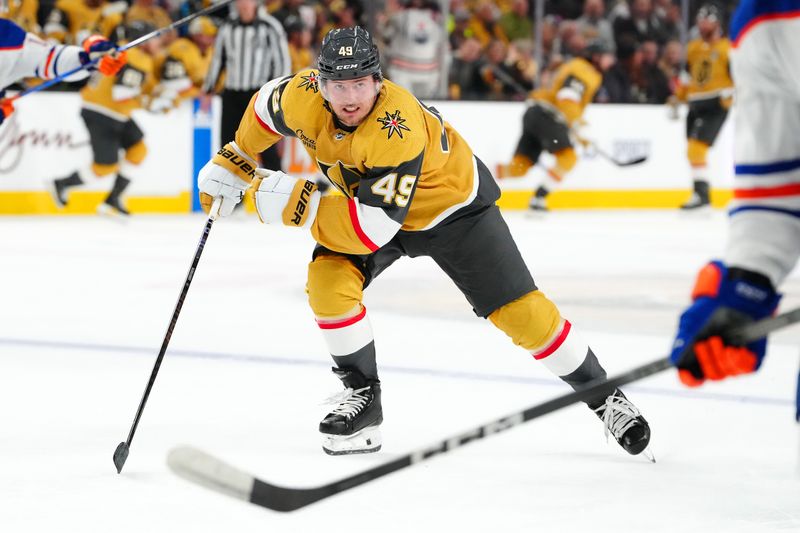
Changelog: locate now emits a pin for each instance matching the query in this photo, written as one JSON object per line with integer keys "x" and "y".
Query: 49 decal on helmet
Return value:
{"x": 347, "y": 54}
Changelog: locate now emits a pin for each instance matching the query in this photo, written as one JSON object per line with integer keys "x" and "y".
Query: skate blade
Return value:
{"x": 536, "y": 214}
{"x": 368, "y": 440}
{"x": 697, "y": 212}
{"x": 105, "y": 210}
{"x": 648, "y": 454}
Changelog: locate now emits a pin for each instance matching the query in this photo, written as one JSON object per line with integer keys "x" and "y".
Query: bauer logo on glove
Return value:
{"x": 280, "y": 198}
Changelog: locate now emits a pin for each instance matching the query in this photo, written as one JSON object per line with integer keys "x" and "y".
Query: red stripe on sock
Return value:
{"x": 343, "y": 323}
{"x": 556, "y": 344}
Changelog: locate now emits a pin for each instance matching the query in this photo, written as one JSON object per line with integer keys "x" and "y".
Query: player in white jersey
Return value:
{"x": 764, "y": 230}
{"x": 415, "y": 39}
{"x": 24, "y": 55}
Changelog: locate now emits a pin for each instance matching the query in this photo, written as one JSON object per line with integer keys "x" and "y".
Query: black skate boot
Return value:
{"x": 59, "y": 188}
{"x": 113, "y": 204}
{"x": 624, "y": 421}
{"x": 538, "y": 203}
{"x": 353, "y": 425}
{"x": 700, "y": 197}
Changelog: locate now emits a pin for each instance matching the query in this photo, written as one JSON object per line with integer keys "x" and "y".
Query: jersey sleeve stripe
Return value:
{"x": 55, "y": 61}
{"x": 769, "y": 209}
{"x": 353, "y": 208}
{"x": 767, "y": 168}
{"x": 264, "y": 124}
{"x": 767, "y": 192}
{"x": 47, "y": 63}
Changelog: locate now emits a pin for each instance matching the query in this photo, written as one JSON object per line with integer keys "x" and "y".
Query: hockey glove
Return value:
{"x": 111, "y": 61}
{"x": 6, "y": 108}
{"x": 283, "y": 199}
{"x": 228, "y": 176}
{"x": 724, "y": 299}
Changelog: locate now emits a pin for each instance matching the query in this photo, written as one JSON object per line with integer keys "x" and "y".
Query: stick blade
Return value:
{"x": 206, "y": 470}
{"x": 120, "y": 456}
{"x": 637, "y": 161}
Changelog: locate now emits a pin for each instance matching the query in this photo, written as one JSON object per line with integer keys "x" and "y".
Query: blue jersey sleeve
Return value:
{"x": 11, "y": 36}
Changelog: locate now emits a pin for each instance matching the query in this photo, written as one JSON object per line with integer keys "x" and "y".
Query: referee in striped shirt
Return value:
{"x": 251, "y": 48}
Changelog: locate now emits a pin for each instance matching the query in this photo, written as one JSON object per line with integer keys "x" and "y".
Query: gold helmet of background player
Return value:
{"x": 203, "y": 26}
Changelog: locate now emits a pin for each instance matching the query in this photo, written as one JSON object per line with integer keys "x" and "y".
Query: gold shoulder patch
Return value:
{"x": 394, "y": 123}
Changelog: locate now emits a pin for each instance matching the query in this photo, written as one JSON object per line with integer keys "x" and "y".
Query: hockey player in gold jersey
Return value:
{"x": 183, "y": 68}
{"x": 71, "y": 21}
{"x": 410, "y": 186}
{"x": 709, "y": 93}
{"x": 551, "y": 116}
{"x": 107, "y": 105}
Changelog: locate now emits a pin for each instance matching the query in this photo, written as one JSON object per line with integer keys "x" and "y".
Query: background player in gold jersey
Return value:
{"x": 709, "y": 93}
{"x": 551, "y": 116}
{"x": 182, "y": 69}
{"x": 410, "y": 186}
{"x": 106, "y": 110}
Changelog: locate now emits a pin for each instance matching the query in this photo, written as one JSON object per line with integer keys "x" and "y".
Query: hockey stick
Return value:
{"x": 135, "y": 42}
{"x": 586, "y": 143}
{"x": 121, "y": 453}
{"x": 204, "y": 469}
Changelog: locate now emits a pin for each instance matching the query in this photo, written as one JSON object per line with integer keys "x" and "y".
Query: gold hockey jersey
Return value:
{"x": 116, "y": 96}
{"x": 23, "y": 12}
{"x": 71, "y": 21}
{"x": 183, "y": 68}
{"x": 574, "y": 85}
{"x": 403, "y": 167}
{"x": 709, "y": 70}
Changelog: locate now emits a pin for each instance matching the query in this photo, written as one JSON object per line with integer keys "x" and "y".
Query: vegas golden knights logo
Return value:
{"x": 310, "y": 82}
{"x": 394, "y": 123}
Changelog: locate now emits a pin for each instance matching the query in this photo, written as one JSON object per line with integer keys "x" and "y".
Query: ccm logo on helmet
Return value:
{"x": 346, "y": 67}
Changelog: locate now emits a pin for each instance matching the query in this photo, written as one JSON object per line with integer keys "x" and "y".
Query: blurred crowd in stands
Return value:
{"x": 466, "y": 49}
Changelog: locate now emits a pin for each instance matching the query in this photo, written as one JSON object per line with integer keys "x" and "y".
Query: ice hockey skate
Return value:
{"x": 700, "y": 200}
{"x": 59, "y": 187}
{"x": 625, "y": 423}
{"x": 353, "y": 426}
{"x": 696, "y": 203}
{"x": 113, "y": 207}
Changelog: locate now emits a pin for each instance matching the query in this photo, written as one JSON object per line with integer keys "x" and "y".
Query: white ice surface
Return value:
{"x": 86, "y": 302}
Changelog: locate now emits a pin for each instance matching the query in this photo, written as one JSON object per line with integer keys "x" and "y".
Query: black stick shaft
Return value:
{"x": 284, "y": 499}
{"x": 172, "y": 323}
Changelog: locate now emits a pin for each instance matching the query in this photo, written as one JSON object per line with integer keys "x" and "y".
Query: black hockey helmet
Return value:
{"x": 347, "y": 54}
{"x": 137, "y": 29}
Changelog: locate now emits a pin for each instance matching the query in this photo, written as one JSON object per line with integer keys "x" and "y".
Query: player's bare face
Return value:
{"x": 707, "y": 27}
{"x": 352, "y": 100}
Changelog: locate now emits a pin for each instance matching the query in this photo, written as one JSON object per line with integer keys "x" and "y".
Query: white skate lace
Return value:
{"x": 349, "y": 401}
{"x": 619, "y": 415}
